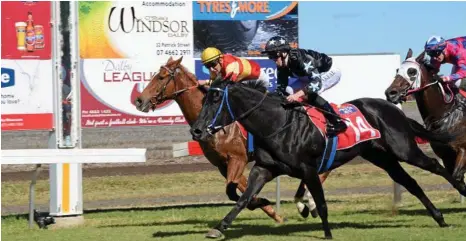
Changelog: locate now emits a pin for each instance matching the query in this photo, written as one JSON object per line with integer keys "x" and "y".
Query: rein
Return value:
{"x": 409, "y": 90}
{"x": 211, "y": 127}
{"x": 160, "y": 97}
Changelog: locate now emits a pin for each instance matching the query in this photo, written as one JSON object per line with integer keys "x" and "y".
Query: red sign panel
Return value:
{"x": 26, "y": 30}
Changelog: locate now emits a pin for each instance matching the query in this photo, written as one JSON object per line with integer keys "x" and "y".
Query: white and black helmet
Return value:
{"x": 275, "y": 44}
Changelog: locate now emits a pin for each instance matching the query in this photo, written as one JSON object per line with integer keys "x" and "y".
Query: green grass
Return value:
{"x": 201, "y": 183}
{"x": 352, "y": 217}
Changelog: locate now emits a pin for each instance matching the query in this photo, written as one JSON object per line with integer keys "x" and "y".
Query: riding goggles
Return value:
{"x": 434, "y": 53}
{"x": 272, "y": 55}
{"x": 211, "y": 64}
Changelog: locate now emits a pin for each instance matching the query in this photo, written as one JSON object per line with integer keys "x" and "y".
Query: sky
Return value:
{"x": 374, "y": 27}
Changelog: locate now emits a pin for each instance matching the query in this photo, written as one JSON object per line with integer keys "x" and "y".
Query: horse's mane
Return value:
{"x": 191, "y": 76}
{"x": 188, "y": 73}
{"x": 257, "y": 85}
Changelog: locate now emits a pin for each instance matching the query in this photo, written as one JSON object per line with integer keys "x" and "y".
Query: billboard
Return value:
{"x": 122, "y": 44}
{"x": 243, "y": 27}
{"x": 26, "y": 69}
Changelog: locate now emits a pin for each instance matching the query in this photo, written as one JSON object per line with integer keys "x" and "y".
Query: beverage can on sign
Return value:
{"x": 39, "y": 32}
{"x": 21, "y": 35}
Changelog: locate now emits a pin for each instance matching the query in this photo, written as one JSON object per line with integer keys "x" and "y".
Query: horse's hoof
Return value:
{"x": 281, "y": 221}
{"x": 305, "y": 212}
{"x": 214, "y": 233}
{"x": 444, "y": 225}
{"x": 328, "y": 237}
{"x": 314, "y": 213}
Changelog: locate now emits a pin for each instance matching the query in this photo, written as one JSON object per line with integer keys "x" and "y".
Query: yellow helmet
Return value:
{"x": 210, "y": 54}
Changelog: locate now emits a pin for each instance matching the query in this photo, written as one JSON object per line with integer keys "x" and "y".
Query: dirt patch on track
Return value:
{"x": 117, "y": 171}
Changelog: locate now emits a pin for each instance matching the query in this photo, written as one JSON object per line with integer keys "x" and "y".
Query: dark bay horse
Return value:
{"x": 443, "y": 108}
{"x": 288, "y": 143}
{"x": 227, "y": 151}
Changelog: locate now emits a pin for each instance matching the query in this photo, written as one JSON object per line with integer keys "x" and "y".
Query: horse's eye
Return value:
{"x": 216, "y": 96}
{"x": 412, "y": 72}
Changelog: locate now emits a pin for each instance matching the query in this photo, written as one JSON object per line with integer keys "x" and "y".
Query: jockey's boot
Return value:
{"x": 335, "y": 125}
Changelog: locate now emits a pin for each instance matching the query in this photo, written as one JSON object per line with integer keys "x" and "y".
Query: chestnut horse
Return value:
{"x": 228, "y": 150}
{"x": 442, "y": 107}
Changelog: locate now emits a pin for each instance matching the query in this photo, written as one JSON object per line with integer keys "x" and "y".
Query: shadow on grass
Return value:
{"x": 409, "y": 212}
{"x": 203, "y": 222}
{"x": 239, "y": 230}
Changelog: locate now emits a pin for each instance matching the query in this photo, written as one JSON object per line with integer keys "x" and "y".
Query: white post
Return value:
{"x": 66, "y": 179}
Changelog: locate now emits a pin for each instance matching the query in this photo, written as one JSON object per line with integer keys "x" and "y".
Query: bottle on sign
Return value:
{"x": 21, "y": 35}
{"x": 30, "y": 34}
{"x": 39, "y": 32}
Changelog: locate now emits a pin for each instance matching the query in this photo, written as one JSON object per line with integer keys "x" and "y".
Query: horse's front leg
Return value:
{"x": 236, "y": 179}
{"x": 258, "y": 177}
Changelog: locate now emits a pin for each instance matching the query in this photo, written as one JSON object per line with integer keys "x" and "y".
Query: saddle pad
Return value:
{"x": 359, "y": 130}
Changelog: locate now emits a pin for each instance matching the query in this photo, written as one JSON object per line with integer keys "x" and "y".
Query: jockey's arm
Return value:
{"x": 232, "y": 71}
{"x": 282, "y": 80}
{"x": 212, "y": 77}
{"x": 460, "y": 71}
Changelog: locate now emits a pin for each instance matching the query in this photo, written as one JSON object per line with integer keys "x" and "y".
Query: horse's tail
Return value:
{"x": 421, "y": 132}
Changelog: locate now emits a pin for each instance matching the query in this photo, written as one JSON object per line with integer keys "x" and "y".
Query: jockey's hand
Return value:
{"x": 204, "y": 82}
{"x": 295, "y": 96}
{"x": 294, "y": 54}
{"x": 445, "y": 78}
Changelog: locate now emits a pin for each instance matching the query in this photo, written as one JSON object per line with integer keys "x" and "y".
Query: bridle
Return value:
{"x": 211, "y": 128}
{"x": 160, "y": 96}
{"x": 414, "y": 79}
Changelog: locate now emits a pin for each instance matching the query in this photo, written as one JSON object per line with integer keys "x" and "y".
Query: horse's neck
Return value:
{"x": 264, "y": 120}
{"x": 431, "y": 104}
{"x": 190, "y": 103}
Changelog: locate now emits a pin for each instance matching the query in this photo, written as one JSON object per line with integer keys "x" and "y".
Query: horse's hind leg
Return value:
{"x": 447, "y": 154}
{"x": 416, "y": 157}
{"x": 236, "y": 179}
{"x": 303, "y": 209}
{"x": 314, "y": 185}
{"x": 390, "y": 164}
{"x": 459, "y": 170}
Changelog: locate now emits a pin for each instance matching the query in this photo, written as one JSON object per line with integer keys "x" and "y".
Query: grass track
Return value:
{"x": 352, "y": 217}
{"x": 201, "y": 183}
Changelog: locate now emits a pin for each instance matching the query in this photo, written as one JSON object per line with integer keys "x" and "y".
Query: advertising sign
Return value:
{"x": 26, "y": 75}
{"x": 243, "y": 27}
{"x": 27, "y": 94}
{"x": 26, "y": 31}
{"x": 122, "y": 45}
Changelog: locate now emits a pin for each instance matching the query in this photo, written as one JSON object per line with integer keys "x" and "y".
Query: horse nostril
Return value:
{"x": 393, "y": 93}
{"x": 138, "y": 101}
{"x": 197, "y": 132}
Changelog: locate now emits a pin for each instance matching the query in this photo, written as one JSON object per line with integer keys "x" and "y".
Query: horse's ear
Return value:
{"x": 409, "y": 54}
{"x": 170, "y": 60}
{"x": 178, "y": 61}
{"x": 421, "y": 57}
